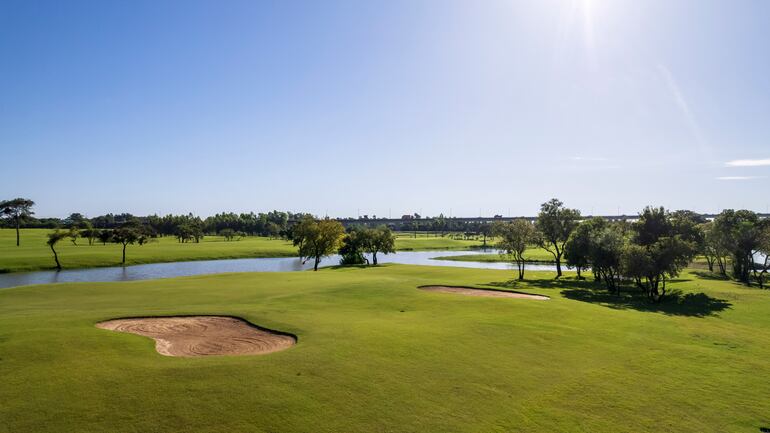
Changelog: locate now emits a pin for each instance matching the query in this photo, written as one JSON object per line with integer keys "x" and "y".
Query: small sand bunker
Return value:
{"x": 491, "y": 293}
{"x": 203, "y": 335}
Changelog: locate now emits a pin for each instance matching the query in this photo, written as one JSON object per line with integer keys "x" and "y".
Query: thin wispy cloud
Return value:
{"x": 684, "y": 107}
{"x": 748, "y": 163}
{"x": 740, "y": 177}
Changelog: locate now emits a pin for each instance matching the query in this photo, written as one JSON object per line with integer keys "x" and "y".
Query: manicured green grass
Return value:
{"x": 406, "y": 241}
{"x": 34, "y": 254}
{"x": 375, "y": 354}
{"x": 534, "y": 254}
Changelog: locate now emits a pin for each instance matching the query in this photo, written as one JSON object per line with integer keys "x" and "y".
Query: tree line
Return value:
{"x": 645, "y": 253}
{"x": 18, "y": 213}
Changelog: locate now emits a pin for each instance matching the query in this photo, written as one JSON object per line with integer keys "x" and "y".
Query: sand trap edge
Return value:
{"x": 293, "y": 337}
{"x": 523, "y": 295}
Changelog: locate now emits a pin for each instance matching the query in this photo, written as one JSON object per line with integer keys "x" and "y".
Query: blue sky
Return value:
{"x": 384, "y": 107}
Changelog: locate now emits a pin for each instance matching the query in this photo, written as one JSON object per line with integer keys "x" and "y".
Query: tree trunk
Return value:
{"x": 557, "y": 255}
{"x": 56, "y": 258}
{"x": 374, "y": 258}
{"x": 124, "y": 254}
{"x": 317, "y": 261}
{"x": 17, "y": 232}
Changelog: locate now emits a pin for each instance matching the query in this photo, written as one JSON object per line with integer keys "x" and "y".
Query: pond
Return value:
{"x": 275, "y": 264}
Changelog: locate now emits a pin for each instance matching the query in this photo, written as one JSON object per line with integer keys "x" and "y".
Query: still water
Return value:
{"x": 276, "y": 264}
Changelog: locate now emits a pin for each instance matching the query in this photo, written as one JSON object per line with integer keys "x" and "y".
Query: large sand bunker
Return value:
{"x": 491, "y": 293}
{"x": 203, "y": 335}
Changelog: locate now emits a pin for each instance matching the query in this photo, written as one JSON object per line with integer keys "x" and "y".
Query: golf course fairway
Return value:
{"x": 376, "y": 354}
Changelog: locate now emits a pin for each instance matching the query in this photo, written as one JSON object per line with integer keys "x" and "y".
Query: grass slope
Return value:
{"x": 34, "y": 254}
{"x": 375, "y": 355}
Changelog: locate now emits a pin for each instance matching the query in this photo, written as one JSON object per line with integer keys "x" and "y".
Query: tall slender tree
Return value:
{"x": 17, "y": 210}
{"x": 126, "y": 235}
{"x": 514, "y": 237}
{"x": 554, "y": 225}
{"x": 380, "y": 240}
{"x": 53, "y": 239}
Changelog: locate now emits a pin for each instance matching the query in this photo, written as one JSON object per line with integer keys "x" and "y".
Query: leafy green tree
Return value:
{"x": 581, "y": 243}
{"x": 54, "y": 238}
{"x": 513, "y": 239}
{"x": 272, "y": 229}
{"x": 554, "y": 225}
{"x": 17, "y": 210}
{"x": 128, "y": 235}
{"x": 75, "y": 220}
{"x": 485, "y": 230}
{"x": 73, "y": 235}
{"x": 738, "y": 233}
{"x": 189, "y": 232}
{"x": 353, "y": 244}
{"x": 317, "y": 239}
{"x": 658, "y": 253}
{"x": 715, "y": 246}
{"x": 380, "y": 240}
{"x": 104, "y": 236}
{"x": 609, "y": 241}
{"x": 600, "y": 244}
{"x": 227, "y": 233}
{"x": 705, "y": 248}
{"x": 763, "y": 248}
{"x": 89, "y": 232}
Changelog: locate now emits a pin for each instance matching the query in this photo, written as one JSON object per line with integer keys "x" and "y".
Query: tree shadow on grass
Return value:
{"x": 706, "y": 275}
{"x": 675, "y": 303}
{"x": 561, "y": 283}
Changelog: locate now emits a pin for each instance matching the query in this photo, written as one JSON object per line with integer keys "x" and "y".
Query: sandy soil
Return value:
{"x": 483, "y": 292}
{"x": 202, "y": 335}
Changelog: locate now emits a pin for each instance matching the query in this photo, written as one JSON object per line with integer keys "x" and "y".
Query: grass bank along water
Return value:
{"x": 202, "y": 267}
{"x": 532, "y": 255}
{"x": 34, "y": 254}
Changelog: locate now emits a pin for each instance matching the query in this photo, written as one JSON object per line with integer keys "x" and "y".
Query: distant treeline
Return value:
{"x": 273, "y": 224}
{"x": 439, "y": 224}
